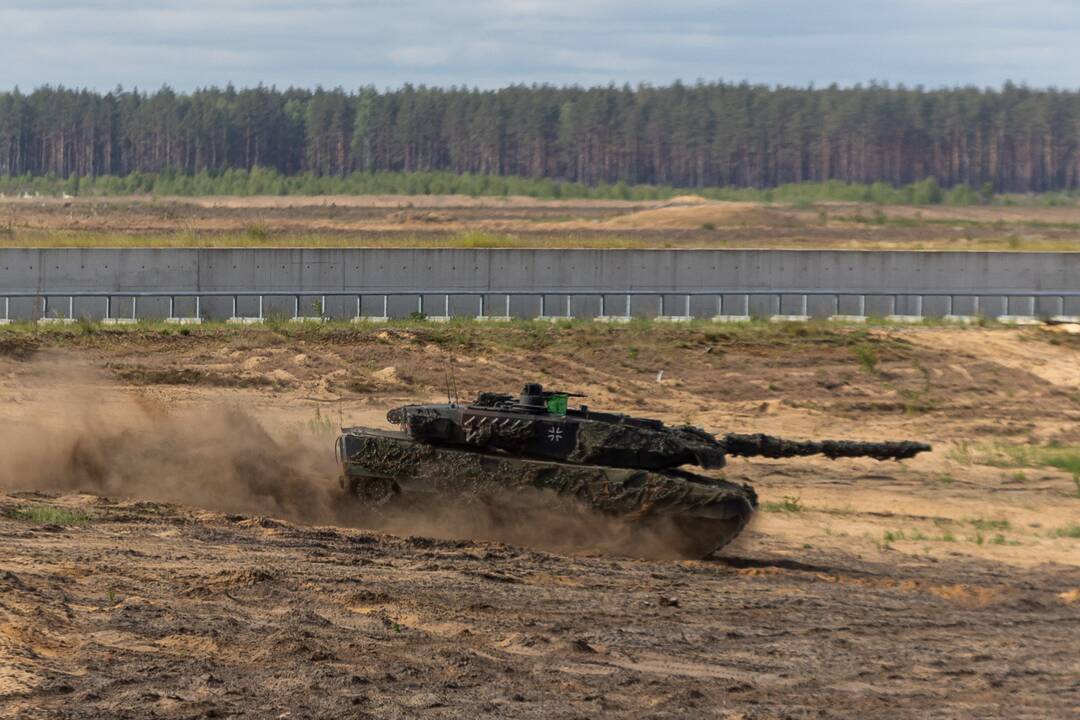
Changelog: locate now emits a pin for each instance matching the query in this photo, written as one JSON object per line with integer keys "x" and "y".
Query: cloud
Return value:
{"x": 418, "y": 56}
{"x": 489, "y": 43}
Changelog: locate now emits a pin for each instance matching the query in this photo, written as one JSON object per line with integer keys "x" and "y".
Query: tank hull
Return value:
{"x": 697, "y": 515}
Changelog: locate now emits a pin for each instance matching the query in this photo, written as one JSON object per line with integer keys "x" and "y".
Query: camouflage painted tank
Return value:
{"x": 618, "y": 465}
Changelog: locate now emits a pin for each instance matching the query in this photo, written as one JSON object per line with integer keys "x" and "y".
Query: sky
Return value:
{"x": 186, "y": 44}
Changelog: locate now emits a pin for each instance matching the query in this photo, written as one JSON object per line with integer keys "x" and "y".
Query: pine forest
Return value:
{"x": 708, "y": 135}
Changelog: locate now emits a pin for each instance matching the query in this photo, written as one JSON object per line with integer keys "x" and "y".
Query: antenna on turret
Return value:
{"x": 450, "y": 378}
{"x": 453, "y": 378}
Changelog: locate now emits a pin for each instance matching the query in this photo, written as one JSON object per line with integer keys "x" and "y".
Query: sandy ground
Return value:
{"x": 217, "y": 573}
{"x": 687, "y": 221}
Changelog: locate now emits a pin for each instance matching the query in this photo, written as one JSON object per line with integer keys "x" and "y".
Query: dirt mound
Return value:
{"x": 686, "y": 200}
{"x": 694, "y": 213}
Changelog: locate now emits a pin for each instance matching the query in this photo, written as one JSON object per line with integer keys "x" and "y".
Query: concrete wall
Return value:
{"x": 409, "y": 269}
{"x": 403, "y": 270}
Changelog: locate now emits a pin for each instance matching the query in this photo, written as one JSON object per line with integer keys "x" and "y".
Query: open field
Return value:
{"x": 172, "y": 545}
{"x": 459, "y": 221}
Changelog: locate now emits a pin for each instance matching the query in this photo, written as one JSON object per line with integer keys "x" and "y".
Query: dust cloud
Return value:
{"x": 79, "y": 433}
{"x": 219, "y": 458}
{"x": 68, "y": 428}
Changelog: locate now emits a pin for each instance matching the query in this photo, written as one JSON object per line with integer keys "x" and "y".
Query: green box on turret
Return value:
{"x": 556, "y": 404}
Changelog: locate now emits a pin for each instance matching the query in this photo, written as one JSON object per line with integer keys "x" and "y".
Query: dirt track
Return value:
{"x": 862, "y": 589}
{"x": 456, "y": 221}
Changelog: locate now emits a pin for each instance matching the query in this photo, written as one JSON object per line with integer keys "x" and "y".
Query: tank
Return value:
{"x": 625, "y": 467}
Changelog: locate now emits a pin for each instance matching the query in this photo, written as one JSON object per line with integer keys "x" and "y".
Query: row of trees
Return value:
{"x": 706, "y": 135}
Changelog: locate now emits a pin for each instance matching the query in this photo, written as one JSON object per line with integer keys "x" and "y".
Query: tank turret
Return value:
{"x": 540, "y": 424}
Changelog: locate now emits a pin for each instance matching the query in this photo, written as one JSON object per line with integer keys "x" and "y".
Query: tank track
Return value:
{"x": 696, "y": 515}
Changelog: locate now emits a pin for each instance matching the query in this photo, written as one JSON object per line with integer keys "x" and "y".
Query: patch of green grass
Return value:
{"x": 476, "y": 239}
{"x": 981, "y": 524}
{"x": 962, "y": 453}
{"x": 260, "y": 236}
{"x": 1007, "y": 455}
{"x": 48, "y": 515}
{"x": 1072, "y": 530}
{"x": 640, "y": 333}
{"x": 867, "y": 357}
{"x": 1067, "y": 461}
{"x": 891, "y": 536}
{"x": 791, "y": 504}
{"x": 917, "y": 401}
{"x": 257, "y": 233}
{"x": 86, "y": 326}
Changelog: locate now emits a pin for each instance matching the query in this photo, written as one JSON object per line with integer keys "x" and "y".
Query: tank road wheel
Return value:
{"x": 372, "y": 491}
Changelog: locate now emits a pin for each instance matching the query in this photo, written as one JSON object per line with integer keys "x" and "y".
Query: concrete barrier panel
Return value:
{"x": 406, "y": 270}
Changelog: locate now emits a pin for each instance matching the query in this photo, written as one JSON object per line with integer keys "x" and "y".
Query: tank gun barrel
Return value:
{"x": 759, "y": 445}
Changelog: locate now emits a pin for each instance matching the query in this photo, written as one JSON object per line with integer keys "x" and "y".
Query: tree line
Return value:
{"x": 707, "y": 135}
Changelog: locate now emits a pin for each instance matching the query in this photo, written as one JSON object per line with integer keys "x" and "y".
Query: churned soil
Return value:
{"x": 153, "y": 610}
{"x": 173, "y": 542}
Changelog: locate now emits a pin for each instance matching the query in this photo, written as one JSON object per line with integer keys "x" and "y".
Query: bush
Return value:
{"x": 268, "y": 181}
{"x": 962, "y": 195}
{"x": 926, "y": 192}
